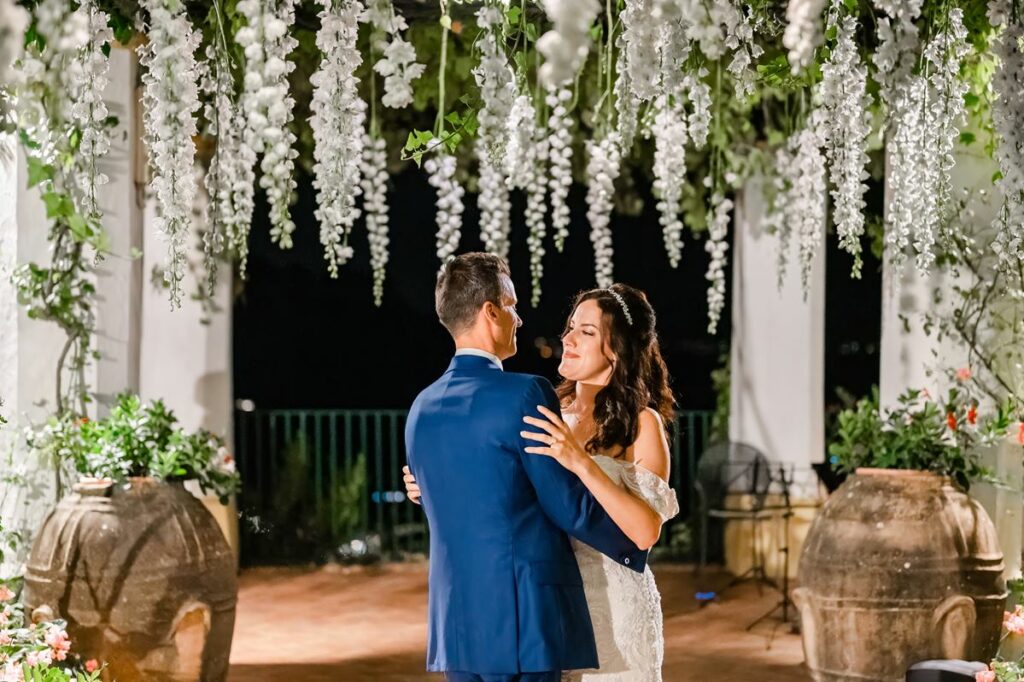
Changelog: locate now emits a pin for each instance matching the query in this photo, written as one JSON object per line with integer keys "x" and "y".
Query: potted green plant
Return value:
{"x": 132, "y": 551}
{"x": 901, "y": 564}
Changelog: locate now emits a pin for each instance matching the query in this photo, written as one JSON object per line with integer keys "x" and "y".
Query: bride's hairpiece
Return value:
{"x": 622, "y": 302}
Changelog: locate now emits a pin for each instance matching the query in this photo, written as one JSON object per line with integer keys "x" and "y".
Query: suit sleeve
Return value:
{"x": 564, "y": 498}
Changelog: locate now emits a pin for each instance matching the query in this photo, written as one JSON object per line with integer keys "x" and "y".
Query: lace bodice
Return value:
{"x": 625, "y": 606}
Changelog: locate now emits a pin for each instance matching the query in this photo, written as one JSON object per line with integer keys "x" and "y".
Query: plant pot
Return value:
{"x": 143, "y": 576}
{"x": 898, "y": 567}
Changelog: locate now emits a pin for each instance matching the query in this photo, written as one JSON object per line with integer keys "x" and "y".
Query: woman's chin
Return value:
{"x": 566, "y": 372}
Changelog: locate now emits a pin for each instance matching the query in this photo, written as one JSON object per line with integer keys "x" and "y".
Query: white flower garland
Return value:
{"x": 560, "y": 154}
{"x": 1008, "y": 117}
{"x": 171, "y": 100}
{"x": 802, "y": 195}
{"x": 268, "y": 104}
{"x": 566, "y": 45}
{"x": 602, "y": 169}
{"x": 845, "y": 102}
{"x": 803, "y": 32}
{"x": 337, "y": 123}
{"x": 13, "y": 23}
{"x": 375, "y": 207}
{"x": 398, "y": 61}
{"x": 536, "y": 210}
{"x": 89, "y": 111}
{"x": 640, "y": 47}
{"x": 493, "y": 200}
{"x": 441, "y": 168}
{"x": 699, "y": 94}
{"x": 521, "y": 135}
{"x": 670, "y": 138}
{"x": 627, "y": 104}
{"x": 721, "y": 26}
{"x": 716, "y": 245}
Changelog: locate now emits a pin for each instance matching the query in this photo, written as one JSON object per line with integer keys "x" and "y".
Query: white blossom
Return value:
{"x": 1008, "y": 117}
{"x": 803, "y": 32}
{"x": 670, "y": 138}
{"x": 493, "y": 200}
{"x": 717, "y": 245}
{"x": 521, "y": 136}
{"x": 89, "y": 111}
{"x": 699, "y": 119}
{"x": 845, "y": 102}
{"x": 602, "y": 169}
{"x": 536, "y": 210}
{"x": 802, "y": 200}
{"x": 268, "y": 104}
{"x": 640, "y": 58}
{"x": 566, "y": 45}
{"x": 337, "y": 122}
{"x": 398, "y": 57}
{"x": 560, "y": 154}
{"x": 13, "y": 23}
{"x": 171, "y": 100}
{"x": 627, "y": 104}
{"x": 441, "y": 168}
{"x": 375, "y": 207}
{"x": 724, "y": 27}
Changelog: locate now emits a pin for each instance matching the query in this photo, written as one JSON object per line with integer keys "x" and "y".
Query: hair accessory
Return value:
{"x": 622, "y": 302}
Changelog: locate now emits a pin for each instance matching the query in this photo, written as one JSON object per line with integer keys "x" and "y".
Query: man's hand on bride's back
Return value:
{"x": 412, "y": 490}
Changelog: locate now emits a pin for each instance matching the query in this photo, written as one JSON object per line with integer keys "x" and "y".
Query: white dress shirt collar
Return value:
{"x": 482, "y": 354}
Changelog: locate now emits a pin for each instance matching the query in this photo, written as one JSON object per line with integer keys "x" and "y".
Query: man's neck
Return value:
{"x": 472, "y": 343}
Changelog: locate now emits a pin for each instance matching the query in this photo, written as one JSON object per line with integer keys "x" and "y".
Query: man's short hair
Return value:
{"x": 464, "y": 284}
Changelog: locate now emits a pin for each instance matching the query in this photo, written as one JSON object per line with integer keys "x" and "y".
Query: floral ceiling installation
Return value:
{"x": 506, "y": 98}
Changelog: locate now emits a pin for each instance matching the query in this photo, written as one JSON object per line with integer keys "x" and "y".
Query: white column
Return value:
{"x": 777, "y": 387}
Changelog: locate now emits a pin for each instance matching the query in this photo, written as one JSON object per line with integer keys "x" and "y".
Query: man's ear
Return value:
{"x": 490, "y": 311}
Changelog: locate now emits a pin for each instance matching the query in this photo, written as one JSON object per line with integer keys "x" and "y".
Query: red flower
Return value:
{"x": 1020, "y": 433}
{"x": 972, "y": 414}
{"x": 951, "y": 421}
{"x": 92, "y": 665}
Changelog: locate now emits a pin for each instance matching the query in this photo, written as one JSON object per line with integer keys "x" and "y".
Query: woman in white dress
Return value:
{"x": 615, "y": 401}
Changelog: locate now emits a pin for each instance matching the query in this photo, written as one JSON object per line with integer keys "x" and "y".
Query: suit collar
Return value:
{"x": 471, "y": 361}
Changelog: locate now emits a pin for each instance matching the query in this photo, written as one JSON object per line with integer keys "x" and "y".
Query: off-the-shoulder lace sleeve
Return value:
{"x": 652, "y": 489}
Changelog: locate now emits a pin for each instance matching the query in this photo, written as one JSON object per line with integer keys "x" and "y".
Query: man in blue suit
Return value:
{"x": 506, "y": 601}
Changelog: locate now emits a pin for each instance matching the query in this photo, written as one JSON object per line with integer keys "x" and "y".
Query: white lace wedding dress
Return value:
{"x": 625, "y": 606}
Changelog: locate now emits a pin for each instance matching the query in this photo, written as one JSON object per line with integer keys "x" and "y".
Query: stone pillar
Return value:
{"x": 777, "y": 384}
{"x": 29, "y": 349}
{"x": 186, "y": 353}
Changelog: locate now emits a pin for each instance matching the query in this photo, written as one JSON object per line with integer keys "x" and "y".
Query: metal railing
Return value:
{"x": 315, "y": 480}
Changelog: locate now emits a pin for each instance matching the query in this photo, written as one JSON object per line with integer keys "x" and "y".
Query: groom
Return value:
{"x": 506, "y": 599}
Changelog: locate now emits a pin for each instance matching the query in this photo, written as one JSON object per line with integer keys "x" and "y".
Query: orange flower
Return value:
{"x": 457, "y": 27}
{"x": 951, "y": 421}
{"x": 963, "y": 374}
{"x": 1020, "y": 433}
{"x": 972, "y": 414}
{"x": 83, "y": 420}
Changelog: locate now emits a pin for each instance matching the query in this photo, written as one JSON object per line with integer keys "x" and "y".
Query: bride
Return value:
{"x": 615, "y": 401}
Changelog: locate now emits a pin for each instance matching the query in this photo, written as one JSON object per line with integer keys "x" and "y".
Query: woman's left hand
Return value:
{"x": 558, "y": 439}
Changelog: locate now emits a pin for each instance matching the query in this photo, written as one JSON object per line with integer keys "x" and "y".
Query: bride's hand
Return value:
{"x": 412, "y": 491}
{"x": 558, "y": 439}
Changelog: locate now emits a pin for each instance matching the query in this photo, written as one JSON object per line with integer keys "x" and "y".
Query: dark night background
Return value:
{"x": 303, "y": 340}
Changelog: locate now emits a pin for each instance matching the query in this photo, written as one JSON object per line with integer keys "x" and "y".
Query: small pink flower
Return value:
{"x": 5, "y": 593}
{"x": 5, "y": 638}
{"x": 1014, "y": 624}
{"x": 92, "y": 665}
{"x": 58, "y": 641}
{"x": 985, "y": 676}
{"x": 963, "y": 374}
{"x": 39, "y": 658}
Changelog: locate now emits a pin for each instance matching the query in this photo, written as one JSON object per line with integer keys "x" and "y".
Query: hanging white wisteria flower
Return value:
{"x": 670, "y": 138}
{"x": 89, "y": 111}
{"x": 720, "y": 27}
{"x": 699, "y": 119}
{"x": 171, "y": 100}
{"x": 536, "y": 210}
{"x": 717, "y": 245}
{"x": 603, "y": 168}
{"x": 803, "y": 193}
{"x": 639, "y": 44}
{"x": 493, "y": 201}
{"x": 909, "y": 179}
{"x": 845, "y": 102}
{"x": 230, "y": 181}
{"x": 398, "y": 57}
{"x": 566, "y": 45}
{"x": 627, "y": 104}
{"x": 375, "y": 207}
{"x": 776, "y": 217}
{"x": 1008, "y": 120}
{"x": 337, "y": 123}
{"x": 560, "y": 154}
{"x": 268, "y": 104}
{"x": 441, "y": 168}
{"x": 521, "y": 136}
{"x": 13, "y": 22}
{"x": 803, "y": 32}
{"x": 898, "y": 41}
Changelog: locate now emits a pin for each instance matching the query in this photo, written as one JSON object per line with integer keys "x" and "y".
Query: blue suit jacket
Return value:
{"x": 505, "y": 591}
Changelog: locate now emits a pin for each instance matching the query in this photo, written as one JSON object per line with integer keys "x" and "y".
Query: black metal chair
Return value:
{"x": 944, "y": 671}
{"x": 734, "y": 469}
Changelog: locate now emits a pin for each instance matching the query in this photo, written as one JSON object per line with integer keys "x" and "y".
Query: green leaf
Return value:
{"x": 57, "y": 205}
{"x": 998, "y": 175}
{"x": 971, "y": 100}
{"x": 966, "y": 138}
{"x": 512, "y": 14}
{"x": 531, "y": 32}
{"x": 38, "y": 171}
{"x": 79, "y": 228}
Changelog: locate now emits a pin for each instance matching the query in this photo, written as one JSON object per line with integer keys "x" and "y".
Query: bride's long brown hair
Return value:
{"x": 639, "y": 376}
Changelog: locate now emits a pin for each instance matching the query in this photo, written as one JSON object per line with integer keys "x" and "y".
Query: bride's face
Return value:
{"x": 586, "y": 355}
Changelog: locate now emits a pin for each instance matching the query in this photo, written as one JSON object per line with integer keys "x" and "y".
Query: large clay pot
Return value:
{"x": 898, "y": 567}
{"x": 143, "y": 576}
